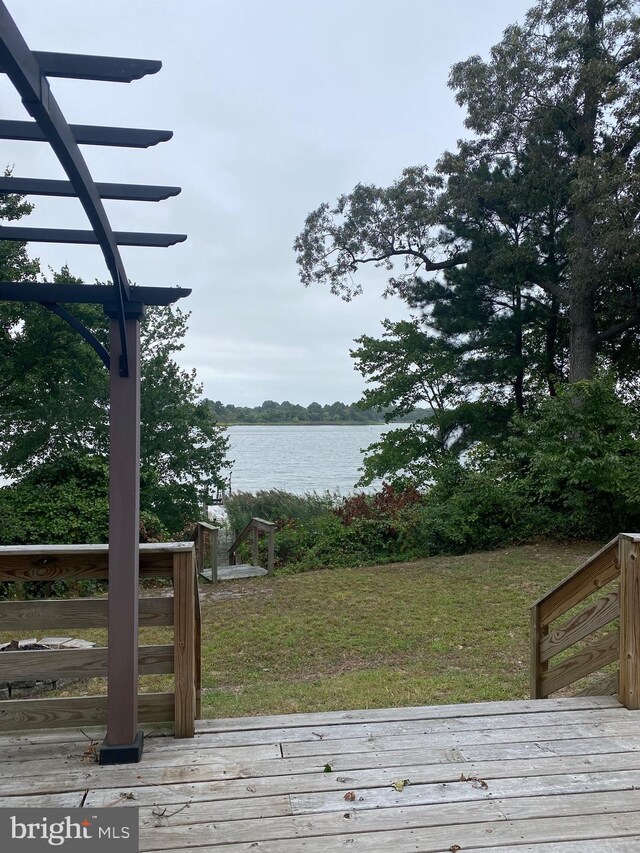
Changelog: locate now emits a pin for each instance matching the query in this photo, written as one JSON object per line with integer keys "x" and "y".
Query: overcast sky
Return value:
{"x": 276, "y": 106}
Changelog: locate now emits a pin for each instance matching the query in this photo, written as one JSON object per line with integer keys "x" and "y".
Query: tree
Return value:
{"x": 555, "y": 109}
{"x": 520, "y": 251}
{"x": 54, "y": 403}
{"x": 182, "y": 450}
{"x": 569, "y": 77}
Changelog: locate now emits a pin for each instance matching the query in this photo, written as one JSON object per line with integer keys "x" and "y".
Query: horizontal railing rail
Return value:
{"x": 180, "y": 658}
{"x": 255, "y": 527}
{"x": 547, "y": 642}
{"x": 618, "y": 608}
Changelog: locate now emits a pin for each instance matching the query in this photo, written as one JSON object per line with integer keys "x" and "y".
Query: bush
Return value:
{"x": 63, "y": 501}
{"x": 278, "y": 506}
{"x": 577, "y": 458}
{"x": 471, "y": 511}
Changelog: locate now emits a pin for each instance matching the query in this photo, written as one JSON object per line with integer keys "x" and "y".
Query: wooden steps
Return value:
{"x": 230, "y": 573}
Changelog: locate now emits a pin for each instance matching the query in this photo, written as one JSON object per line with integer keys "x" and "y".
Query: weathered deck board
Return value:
{"x": 156, "y": 836}
{"x": 547, "y": 776}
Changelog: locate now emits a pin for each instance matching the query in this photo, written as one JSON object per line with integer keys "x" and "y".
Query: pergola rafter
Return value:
{"x": 124, "y": 304}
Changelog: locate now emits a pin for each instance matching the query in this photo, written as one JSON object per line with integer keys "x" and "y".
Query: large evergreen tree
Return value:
{"x": 520, "y": 251}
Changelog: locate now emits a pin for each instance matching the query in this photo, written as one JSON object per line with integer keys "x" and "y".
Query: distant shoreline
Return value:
{"x": 312, "y": 424}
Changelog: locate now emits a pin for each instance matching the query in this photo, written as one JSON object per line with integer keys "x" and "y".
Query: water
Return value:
{"x": 300, "y": 459}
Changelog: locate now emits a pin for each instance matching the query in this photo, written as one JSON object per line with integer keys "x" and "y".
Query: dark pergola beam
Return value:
{"x": 87, "y": 134}
{"x": 96, "y": 294}
{"x": 74, "y": 235}
{"x": 33, "y": 87}
{"x": 77, "y": 66}
{"x": 125, "y": 192}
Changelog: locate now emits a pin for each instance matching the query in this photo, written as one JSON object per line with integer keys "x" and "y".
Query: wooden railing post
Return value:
{"x": 184, "y": 643}
{"x": 254, "y": 550}
{"x": 197, "y": 649}
{"x": 214, "y": 554}
{"x": 629, "y": 560}
{"x": 199, "y": 548}
{"x": 271, "y": 551}
{"x": 538, "y": 632}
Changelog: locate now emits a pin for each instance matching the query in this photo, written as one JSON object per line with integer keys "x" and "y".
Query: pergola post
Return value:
{"x": 123, "y": 742}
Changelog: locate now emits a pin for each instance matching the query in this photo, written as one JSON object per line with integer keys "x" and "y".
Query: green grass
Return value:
{"x": 440, "y": 630}
{"x": 444, "y": 629}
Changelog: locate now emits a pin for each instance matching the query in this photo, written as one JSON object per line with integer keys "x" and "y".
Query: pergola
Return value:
{"x": 29, "y": 72}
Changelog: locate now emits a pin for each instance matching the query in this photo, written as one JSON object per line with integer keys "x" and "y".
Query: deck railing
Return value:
{"x": 181, "y": 610}
{"x": 254, "y": 528}
{"x": 618, "y": 610}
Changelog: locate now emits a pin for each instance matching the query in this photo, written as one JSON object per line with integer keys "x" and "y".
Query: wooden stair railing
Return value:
{"x": 618, "y": 560}
{"x": 255, "y": 527}
{"x": 203, "y": 530}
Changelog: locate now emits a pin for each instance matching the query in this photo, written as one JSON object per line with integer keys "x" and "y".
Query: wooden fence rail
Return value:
{"x": 175, "y": 560}
{"x": 618, "y": 608}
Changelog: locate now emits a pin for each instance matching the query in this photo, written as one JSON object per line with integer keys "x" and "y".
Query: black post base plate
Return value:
{"x": 122, "y": 753}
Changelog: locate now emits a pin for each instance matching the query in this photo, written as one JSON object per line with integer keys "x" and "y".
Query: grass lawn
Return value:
{"x": 439, "y": 630}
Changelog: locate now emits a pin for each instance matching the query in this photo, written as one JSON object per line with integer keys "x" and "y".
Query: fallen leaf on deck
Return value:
{"x": 349, "y": 795}
{"x": 328, "y": 768}
{"x": 454, "y": 848}
{"x": 400, "y": 784}
{"x": 475, "y": 781}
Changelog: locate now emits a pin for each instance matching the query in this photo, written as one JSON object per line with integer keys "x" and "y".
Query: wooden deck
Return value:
{"x": 551, "y": 775}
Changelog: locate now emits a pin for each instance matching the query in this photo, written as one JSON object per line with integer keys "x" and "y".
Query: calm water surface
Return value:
{"x": 299, "y": 458}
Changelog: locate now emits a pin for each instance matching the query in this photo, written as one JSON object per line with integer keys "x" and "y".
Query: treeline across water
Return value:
{"x": 271, "y": 412}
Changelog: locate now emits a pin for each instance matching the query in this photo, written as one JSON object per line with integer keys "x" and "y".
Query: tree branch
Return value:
{"x": 617, "y": 329}
{"x": 455, "y": 260}
{"x": 633, "y": 140}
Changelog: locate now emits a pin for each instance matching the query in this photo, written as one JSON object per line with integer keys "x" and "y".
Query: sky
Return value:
{"x": 276, "y": 107}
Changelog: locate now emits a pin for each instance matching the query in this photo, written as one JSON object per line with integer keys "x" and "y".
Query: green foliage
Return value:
{"x": 61, "y": 501}
{"x": 182, "y": 449}
{"x": 54, "y": 401}
{"x": 577, "y": 457}
{"x": 464, "y": 511}
{"x": 518, "y": 253}
{"x": 277, "y": 506}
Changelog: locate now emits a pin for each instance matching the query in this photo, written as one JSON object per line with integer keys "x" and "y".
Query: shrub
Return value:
{"x": 577, "y": 458}
{"x": 278, "y": 506}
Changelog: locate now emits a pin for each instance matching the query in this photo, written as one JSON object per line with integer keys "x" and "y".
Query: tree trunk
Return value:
{"x": 582, "y": 343}
{"x": 582, "y": 323}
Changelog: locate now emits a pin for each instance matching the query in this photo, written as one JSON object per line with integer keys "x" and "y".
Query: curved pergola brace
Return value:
{"x": 81, "y": 329}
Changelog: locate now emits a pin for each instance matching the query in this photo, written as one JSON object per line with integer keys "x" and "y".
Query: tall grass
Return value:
{"x": 276, "y": 505}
